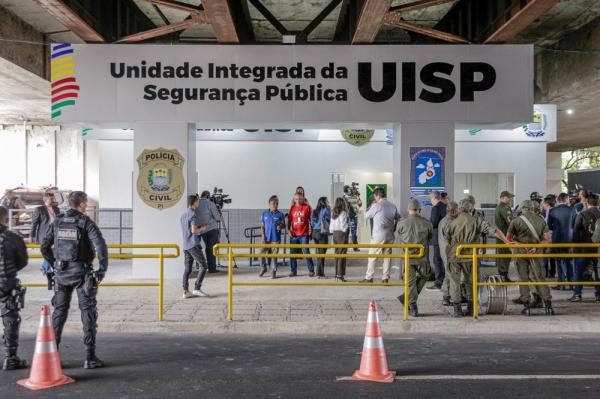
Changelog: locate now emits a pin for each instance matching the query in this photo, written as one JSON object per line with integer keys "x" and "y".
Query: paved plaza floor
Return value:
{"x": 328, "y": 310}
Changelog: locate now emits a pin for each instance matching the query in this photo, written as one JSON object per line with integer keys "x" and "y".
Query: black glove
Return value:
{"x": 100, "y": 274}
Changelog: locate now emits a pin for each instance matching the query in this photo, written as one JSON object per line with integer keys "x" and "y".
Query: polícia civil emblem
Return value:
{"x": 160, "y": 182}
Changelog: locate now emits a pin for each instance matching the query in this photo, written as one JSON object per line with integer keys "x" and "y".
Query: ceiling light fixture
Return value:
{"x": 570, "y": 111}
{"x": 288, "y": 39}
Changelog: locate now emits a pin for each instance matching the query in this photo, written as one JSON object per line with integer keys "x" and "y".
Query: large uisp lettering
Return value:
{"x": 474, "y": 76}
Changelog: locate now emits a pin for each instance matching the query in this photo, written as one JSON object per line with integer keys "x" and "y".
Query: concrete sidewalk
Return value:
{"x": 316, "y": 310}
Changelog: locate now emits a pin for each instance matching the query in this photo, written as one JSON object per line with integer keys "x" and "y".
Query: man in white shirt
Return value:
{"x": 385, "y": 216}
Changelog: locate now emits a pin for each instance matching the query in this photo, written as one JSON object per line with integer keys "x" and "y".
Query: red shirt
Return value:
{"x": 299, "y": 219}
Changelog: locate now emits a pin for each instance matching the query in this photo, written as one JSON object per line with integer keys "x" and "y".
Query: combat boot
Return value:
{"x": 548, "y": 307}
{"x": 91, "y": 361}
{"x": 457, "y": 310}
{"x": 12, "y": 361}
{"x": 446, "y": 301}
{"x": 537, "y": 301}
{"x": 413, "y": 310}
{"x": 469, "y": 311}
{"x": 526, "y": 309}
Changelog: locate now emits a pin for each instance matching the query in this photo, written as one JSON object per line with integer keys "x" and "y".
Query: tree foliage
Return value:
{"x": 586, "y": 158}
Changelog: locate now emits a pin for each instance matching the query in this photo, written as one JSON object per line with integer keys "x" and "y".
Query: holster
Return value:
{"x": 91, "y": 282}
{"x": 16, "y": 300}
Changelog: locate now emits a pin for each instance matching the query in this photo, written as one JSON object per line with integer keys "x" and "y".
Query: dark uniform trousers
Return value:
{"x": 10, "y": 317}
{"x": 86, "y": 294}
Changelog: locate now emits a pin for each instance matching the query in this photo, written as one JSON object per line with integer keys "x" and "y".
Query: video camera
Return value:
{"x": 352, "y": 190}
{"x": 219, "y": 199}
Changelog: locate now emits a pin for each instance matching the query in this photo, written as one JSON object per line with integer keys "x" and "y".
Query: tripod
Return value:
{"x": 222, "y": 223}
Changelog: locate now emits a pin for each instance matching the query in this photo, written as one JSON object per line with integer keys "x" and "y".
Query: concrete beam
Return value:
{"x": 70, "y": 19}
{"x": 520, "y": 20}
{"x": 370, "y": 20}
{"x": 219, "y": 16}
{"x": 27, "y": 50}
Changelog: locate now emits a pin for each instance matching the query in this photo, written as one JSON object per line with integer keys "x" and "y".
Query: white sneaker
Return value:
{"x": 187, "y": 295}
{"x": 200, "y": 293}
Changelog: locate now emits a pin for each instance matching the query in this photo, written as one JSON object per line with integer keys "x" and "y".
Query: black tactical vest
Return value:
{"x": 7, "y": 268}
{"x": 68, "y": 238}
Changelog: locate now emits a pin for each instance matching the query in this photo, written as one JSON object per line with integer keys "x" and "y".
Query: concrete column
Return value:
{"x": 150, "y": 225}
{"x": 430, "y": 134}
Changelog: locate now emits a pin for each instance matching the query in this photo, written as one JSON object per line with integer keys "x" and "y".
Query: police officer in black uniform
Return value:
{"x": 76, "y": 239}
{"x": 13, "y": 257}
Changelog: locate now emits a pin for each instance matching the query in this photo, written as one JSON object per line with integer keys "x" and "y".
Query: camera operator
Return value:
{"x": 208, "y": 215}
{"x": 353, "y": 203}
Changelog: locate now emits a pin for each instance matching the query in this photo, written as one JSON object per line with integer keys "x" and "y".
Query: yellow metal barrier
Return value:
{"x": 230, "y": 255}
{"x": 478, "y": 253}
{"x": 161, "y": 256}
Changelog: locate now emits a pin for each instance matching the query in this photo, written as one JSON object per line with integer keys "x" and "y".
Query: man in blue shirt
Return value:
{"x": 272, "y": 221}
{"x": 192, "y": 248}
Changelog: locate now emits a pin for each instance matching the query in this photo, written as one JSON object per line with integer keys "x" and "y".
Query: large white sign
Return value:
{"x": 269, "y": 84}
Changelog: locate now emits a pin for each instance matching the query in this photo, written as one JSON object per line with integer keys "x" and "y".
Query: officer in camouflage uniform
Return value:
{"x": 76, "y": 240}
{"x": 465, "y": 229}
{"x": 450, "y": 216}
{"x": 13, "y": 257}
{"x": 502, "y": 218}
{"x": 529, "y": 228}
{"x": 415, "y": 229}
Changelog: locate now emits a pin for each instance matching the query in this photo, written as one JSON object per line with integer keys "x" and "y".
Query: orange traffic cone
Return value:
{"x": 373, "y": 364}
{"x": 46, "y": 371}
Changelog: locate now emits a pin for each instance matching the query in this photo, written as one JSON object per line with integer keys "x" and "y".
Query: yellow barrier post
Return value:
{"x": 475, "y": 284}
{"x": 406, "y": 273}
{"x": 161, "y": 293}
{"x": 230, "y": 283}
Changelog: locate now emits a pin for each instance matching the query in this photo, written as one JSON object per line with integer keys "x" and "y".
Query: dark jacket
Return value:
{"x": 40, "y": 222}
{"x": 14, "y": 254}
{"x": 560, "y": 220}
{"x": 438, "y": 212}
{"x": 584, "y": 226}
{"x": 92, "y": 242}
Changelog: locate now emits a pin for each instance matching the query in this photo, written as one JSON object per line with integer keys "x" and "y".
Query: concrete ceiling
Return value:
{"x": 571, "y": 80}
{"x": 25, "y": 97}
{"x": 37, "y": 17}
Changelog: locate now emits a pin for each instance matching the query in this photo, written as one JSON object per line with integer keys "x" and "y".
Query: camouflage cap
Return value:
{"x": 471, "y": 199}
{"x": 414, "y": 204}
{"x": 465, "y": 205}
{"x": 452, "y": 206}
{"x": 527, "y": 204}
{"x": 506, "y": 194}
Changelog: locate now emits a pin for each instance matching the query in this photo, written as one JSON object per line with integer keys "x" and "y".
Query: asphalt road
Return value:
{"x": 234, "y": 366}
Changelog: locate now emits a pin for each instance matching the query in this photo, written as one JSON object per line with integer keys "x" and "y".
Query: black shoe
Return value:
{"x": 385, "y": 280}
{"x": 356, "y": 249}
{"x": 548, "y": 307}
{"x": 262, "y": 272}
{"x": 518, "y": 301}
{"x": 457, "y": 310}
{"x": 93, "y": 363}
{"x": 413, "y": 310}
{"x": 366, "y": 280}
{"x": 526, "y": 310}
{"x": 273, "y": 274}
{"x": 401, "y": 299}
{"x": 537, "y": 302}
{"x": 446, "y": 301}
{"x": 575, "y": 298}
{"x": 292, "y": 274}
{"x": 214, "y": 271}
{"x": 14, "y": 363}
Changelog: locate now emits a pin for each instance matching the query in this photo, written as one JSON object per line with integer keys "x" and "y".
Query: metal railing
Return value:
{"x": 406, "y": 255}
{"x": 476, "y": 255}
{"x": 161, "y": 256}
